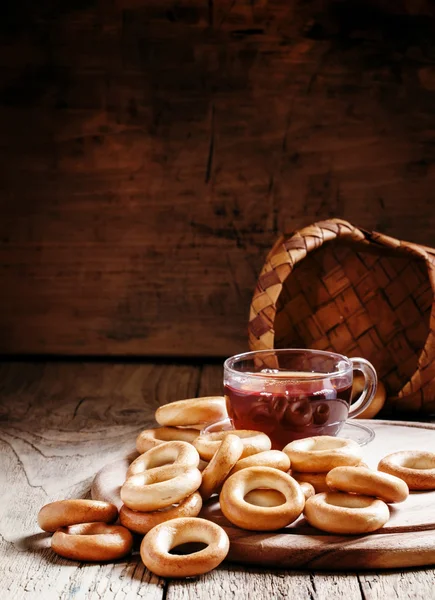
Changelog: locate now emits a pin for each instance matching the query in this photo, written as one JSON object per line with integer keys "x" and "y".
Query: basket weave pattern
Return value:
{"x": 332, "y": 286}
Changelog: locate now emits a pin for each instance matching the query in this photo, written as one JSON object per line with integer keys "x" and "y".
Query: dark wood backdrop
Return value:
{"x": 151, "y": 151}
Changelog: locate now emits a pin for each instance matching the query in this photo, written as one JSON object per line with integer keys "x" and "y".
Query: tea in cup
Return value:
{"x": 293, "y": 394}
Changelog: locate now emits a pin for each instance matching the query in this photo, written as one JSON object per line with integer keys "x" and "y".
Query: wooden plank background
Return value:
{"x": 151, "y": 151}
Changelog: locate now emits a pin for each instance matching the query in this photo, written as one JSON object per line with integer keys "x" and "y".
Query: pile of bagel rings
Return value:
{"x": 178, "y": 468}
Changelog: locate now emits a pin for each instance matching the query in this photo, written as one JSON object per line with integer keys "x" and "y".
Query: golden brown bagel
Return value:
{"x": 260, "y": 518}
{"x": 71, "y": 512}
{"x": 307, "y": 489}
{"x": 156, "y": 546}
{"x": 415, "y": 467}
{"x": 227, "y": 455}
{"x": 269, "y": 458}
{"x": 148, "y": 438}
{"x": 378, "y": 400}
{"x": 366, "y": 482}
{"x": 192, "y": 411}
{"x": 336, "y": 512}
{"x": 169, "y": 453}
{"x": 92, "y": 542}
{"x": 159, "y": 488}
{"x": 317, "y": 480}
{"x": 253, "y": 442}
{"x": 142, "y": 522}
{"x": 322, "y": 453}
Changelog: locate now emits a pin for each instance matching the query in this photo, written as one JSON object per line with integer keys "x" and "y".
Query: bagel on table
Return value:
{"x": 415, "y": 467}
{"x": 92, "y": 542}
{"x": 261, "y": 518}
{"x": 157, "y": 544}
{"x": 357, "y": 480}
{"x": 63, "y": 513}
{"x": 192, "y": 411}
{"x": 322, "y": 453}
{"x": 338, "y": 512}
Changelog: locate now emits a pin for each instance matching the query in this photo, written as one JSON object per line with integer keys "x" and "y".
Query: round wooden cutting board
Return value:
{"x": 407, "y": 540}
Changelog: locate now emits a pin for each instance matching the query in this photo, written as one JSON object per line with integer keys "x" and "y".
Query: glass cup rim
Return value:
{"x": 229, "y": 362}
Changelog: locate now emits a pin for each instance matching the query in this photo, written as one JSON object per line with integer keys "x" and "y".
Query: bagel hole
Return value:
{"x": 188, "y": 548}
{"x": 265, "y": 497}
{"x": 421, "y": 463}
{"x": 162, "y": 462}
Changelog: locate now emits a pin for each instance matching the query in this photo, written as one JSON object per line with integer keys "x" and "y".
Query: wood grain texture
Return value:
{"x": 151, "y": 152}
{"x": 392, "y": 585}
{"x": 59, "y": 423}
{"x": 236, "y": 582}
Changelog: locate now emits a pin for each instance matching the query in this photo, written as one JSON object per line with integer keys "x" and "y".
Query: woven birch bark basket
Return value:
{"x": 335, "y": 287}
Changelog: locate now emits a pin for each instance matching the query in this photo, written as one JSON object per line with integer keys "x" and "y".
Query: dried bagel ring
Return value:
{"x": 71, "y": 512}
{"x": 366, "y": 482}
{"x": 322, "y": 453}
{"x": 259, "y": 518}
{"x": 336, "y": 512}
{"x": 142, "y": 522}
{"x": 253, "y": 442}
{"x": 317, "y": 480}
{"x": 415, "y": 467}
{"x": 149, "y": 438}
{"x": 159, "y": 488}
{"x": 269, "y": 458}
{"x": 92, "y": 542}
{"x": 307, "y": 489}
{"x": 169, "y": 453}
{"x": 264, "y": 497}
{"x": 227, "y": 455}
{"x": 378, "y": 400}
{"x": 156, "y": 545}
{"x": 192, "y": 411}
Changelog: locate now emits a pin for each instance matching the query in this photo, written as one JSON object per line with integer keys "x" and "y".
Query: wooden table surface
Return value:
{"x": 60, "y": 422}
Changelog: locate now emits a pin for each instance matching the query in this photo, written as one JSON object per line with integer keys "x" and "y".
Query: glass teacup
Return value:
{"x": 293, "y": 394}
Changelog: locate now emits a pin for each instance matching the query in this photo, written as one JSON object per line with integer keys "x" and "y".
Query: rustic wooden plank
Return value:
{"x": 59, "y": 424}
{"x": 152, "y": 151}
{"x": 390, "y": 585}
{"x": 211, "y": 381}
{"x": 245, "y": 583}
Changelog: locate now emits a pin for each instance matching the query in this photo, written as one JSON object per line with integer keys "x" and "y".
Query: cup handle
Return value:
{"x": 370, "y": 385}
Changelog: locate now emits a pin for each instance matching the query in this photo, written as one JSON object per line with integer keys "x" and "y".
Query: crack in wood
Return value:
{"x": 25, "y": 441}
{"x": 79, "y": 403}
{"x": 211, "y": 13}
{"x": 234, "y": 278}
{"x": 361, "y": 588}
{"x": 21, "y": 464}
{"x": 211, "y": 147}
